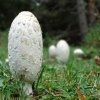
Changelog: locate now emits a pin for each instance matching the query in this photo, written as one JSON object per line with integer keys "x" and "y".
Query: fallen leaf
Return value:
{"x": 97, "y": 60}
{"x": 80, "y": 95}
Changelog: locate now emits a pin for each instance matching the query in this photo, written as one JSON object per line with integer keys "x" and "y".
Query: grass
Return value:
{"x": 3, "y": 45}
{"x": 57, "y": 82}
{"x": 93, "y": 37}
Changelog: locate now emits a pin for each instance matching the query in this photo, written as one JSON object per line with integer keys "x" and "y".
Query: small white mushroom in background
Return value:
{"x": 52, "y": 51}
{"x": 6, "y": 60}
{"x": 25, "y": 49}
{"x": 78, "y": 52}
{"x": 63, "y": 51}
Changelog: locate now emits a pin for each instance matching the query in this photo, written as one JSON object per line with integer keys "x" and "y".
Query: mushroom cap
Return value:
{"x": 78, "y": 52}
{"x": 25, "y": 47}
{"x": 52, "y": 51}
{"x": 63, "y": 51}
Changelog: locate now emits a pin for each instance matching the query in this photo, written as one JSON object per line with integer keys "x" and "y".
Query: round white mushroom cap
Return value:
{"x": 63, "y": 51}
{"x": 78, "y": 52}
{"x": 52, "y": 51}
{"x": 25, "y": 47}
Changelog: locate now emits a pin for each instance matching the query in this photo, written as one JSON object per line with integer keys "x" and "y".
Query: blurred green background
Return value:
{"x": 60, "y": 18}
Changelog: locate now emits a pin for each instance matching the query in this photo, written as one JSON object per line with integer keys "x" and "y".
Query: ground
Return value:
{"x": 78, "y": 79}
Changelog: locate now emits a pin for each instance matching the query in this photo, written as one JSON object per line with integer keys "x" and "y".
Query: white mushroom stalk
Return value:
{"x": 63, "y": 51}
{"x": 52, "y": 51}
{"x": 25, "y": 49}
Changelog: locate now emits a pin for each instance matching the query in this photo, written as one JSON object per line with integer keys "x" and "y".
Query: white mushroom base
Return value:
{"x": 28, "y": 89}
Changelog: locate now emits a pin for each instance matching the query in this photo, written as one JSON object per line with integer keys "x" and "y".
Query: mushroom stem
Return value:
{"x": 28, "y": 89}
